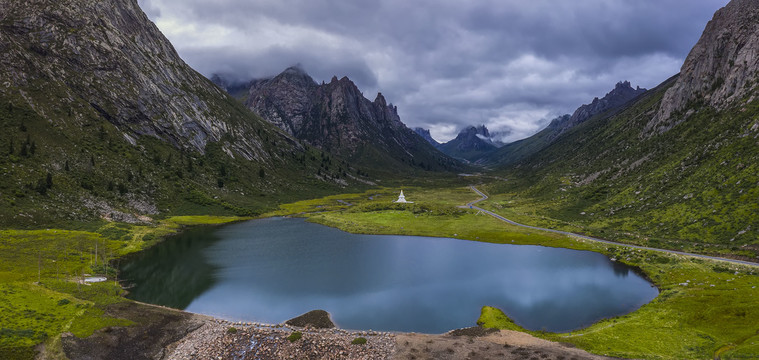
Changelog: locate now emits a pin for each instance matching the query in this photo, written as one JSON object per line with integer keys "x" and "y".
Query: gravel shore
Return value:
{"x": 219, "y": 339}
{"x": 222, "y": 340}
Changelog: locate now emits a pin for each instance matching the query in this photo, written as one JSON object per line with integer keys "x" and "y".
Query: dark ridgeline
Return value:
{"x": 622, "y": 94}
{"x": 337, "y": 118}
{"x": 425, "y": 134}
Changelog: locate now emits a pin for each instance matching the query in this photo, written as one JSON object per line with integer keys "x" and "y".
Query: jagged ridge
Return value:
{"x": 337, "y": 118}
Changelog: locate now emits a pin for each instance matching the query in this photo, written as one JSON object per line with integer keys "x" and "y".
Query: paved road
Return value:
{"x": 471, "y": 205}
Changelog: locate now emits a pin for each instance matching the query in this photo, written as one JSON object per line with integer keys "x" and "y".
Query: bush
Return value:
{"x": 295, "y": 336}
{"x": 232, "y": 330}
{"x": 359, "y": 341}
{"x": 63, "y": 302}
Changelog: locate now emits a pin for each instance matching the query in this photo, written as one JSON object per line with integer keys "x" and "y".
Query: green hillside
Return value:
{"x": 693, "y": 187}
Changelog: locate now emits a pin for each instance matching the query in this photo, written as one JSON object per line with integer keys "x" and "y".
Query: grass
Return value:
{"x": 705, "y": 309}
{"x": 713, "y": 315}
{"x": 295, "y": 336}
{"x": 692, "y": 188}
{"x": 40, "y": 297}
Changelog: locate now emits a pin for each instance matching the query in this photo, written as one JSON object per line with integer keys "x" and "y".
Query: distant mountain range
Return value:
{"x": 471, "y": 144}
{"x": 475, "y": 144}
{"x": 102, "y": 119}
{"x": 622, "y": 94}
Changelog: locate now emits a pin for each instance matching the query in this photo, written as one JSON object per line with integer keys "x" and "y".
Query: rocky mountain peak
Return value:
{"x": 336, "y": 117}
{"x": 470, "y": 144}
{"x": 622, "y": 93}
{"x": 474, "y": 131}
{"x": 425, "y": 134}
{"x": 721, "y": 69}
{"x": 380, "y": 100}
{"x": 295, "y": 74}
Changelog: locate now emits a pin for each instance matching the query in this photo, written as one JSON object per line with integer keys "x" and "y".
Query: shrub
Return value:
{"x": 295, "y": 336}
{"x": 359, "y": 341}
{"x": 232, "y": 330}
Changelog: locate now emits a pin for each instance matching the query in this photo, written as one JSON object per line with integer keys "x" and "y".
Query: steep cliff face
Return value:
{"x": 337, "y": 118}
{"x": 110, "y": 56}
{"x": 720, "y": 70}
{"x": 99, "y": 117}
{"x": 284, "y": 100}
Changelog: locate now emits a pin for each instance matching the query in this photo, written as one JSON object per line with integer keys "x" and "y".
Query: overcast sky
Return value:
{"x": 512, "y": 65}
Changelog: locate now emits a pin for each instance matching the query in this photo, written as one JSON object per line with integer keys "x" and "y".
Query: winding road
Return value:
{"x": 471, "y": 205}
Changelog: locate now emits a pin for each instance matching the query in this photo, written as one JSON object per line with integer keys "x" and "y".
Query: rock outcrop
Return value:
{"x": 720, "y": 69}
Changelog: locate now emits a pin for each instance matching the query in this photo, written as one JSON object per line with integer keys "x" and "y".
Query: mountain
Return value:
{"x": 622, "y": 93}
{"x": 101, "y": 118}
{"x": 238, "y": 89}
{"x": 676, "y": 167}
{"x": 337, "y": 118}
{"x": 425, "y": 134}
{"x": 614, "y": 100}
{"x": 471, "y": 144}
{"x": 720, "y": 71}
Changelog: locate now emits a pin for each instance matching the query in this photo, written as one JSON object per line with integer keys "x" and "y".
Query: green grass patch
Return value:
{"x": 41, "y": 293}
{"x": 705, "y": 307}
{"x": 491, "y": 317}
{"x": 295, "y": 336}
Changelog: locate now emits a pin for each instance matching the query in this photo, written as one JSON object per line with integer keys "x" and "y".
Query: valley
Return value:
{"x": 118, "y": 160}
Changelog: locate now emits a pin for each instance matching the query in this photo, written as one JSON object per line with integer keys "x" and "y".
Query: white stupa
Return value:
{"x": 402, "y": 199}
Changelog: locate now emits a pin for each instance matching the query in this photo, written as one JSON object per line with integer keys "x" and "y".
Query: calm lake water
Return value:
{"x": 271, "y": 270}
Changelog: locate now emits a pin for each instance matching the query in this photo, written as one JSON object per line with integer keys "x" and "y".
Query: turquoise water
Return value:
{"x": 271, "y": 270}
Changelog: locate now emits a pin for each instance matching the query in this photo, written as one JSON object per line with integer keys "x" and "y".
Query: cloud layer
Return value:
{"x": 508, "y": 64}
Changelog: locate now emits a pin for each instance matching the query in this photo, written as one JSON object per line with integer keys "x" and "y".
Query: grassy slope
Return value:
{"x": 39, "y": 294}
{"x": 705, "y": 308}
{"x": 693, "y": 187}
{"x": 93, "y": 165}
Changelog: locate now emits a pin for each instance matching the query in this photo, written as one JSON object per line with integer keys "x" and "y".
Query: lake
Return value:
{"x": 271, "y": 270}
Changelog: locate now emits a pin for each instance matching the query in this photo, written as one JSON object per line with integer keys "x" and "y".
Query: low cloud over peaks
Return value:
{"x": 446, "y": 64}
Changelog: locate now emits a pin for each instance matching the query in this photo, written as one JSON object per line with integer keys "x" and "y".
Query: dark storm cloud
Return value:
{"x": 237, "y": 65}
{"x": 446, "y": 63}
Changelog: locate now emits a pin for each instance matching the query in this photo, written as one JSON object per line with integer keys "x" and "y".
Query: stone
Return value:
{"x": 317, "y": 319}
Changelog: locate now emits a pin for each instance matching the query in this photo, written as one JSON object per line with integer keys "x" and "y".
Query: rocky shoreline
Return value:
{"x": 160, "y": 333}
{"x": 221, "y": 339}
